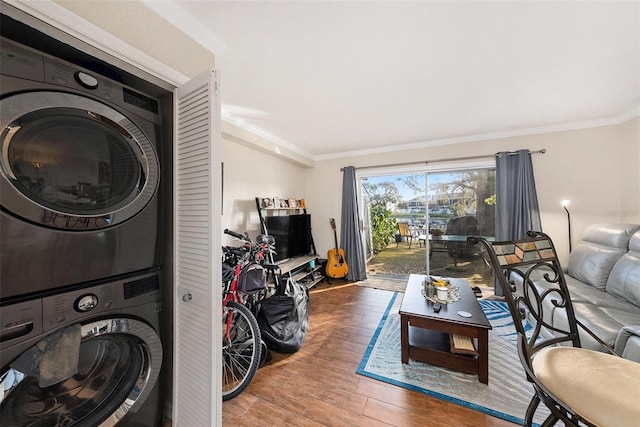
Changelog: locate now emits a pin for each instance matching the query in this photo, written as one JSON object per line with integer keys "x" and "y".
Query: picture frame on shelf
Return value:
{"x": 292, "y": 203}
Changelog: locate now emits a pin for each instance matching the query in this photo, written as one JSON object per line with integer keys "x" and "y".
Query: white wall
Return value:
{"x": 135, "y": 23}
{"x": 630, "y": 164}
{"x": 250, "y": 173}
{"x": 596, "y": 168}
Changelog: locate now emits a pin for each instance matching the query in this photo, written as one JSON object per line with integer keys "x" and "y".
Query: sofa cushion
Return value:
{"x": 628, "y": 343}
{"x": 614, "y": 235}
{"x": 601, "y": 247}
{"x": 583, "y": 292}
{"x": 634, "y": 242}
{"x": 603, "y": 313}
{"x": 592, "y": 263}
{"x": 624, "y": 279}
{"x": 593, "y": 318}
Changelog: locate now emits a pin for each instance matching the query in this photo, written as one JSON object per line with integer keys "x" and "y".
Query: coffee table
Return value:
{"x": 424, "y": 334}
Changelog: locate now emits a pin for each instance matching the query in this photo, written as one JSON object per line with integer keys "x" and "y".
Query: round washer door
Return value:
{"x": 73, "y": 163}
{"x": 118, "y": 366}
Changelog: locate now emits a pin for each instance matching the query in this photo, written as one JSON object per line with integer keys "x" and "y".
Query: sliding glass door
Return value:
{"x": 390, "y": 199}
{"x": 460, "y": 203}
{"x": 441, "y": 208}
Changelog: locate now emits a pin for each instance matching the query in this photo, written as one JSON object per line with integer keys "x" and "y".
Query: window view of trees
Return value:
{"x": 449, "y": 194}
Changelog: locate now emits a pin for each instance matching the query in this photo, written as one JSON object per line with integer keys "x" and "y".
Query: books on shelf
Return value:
{"x": 282, "y": 203}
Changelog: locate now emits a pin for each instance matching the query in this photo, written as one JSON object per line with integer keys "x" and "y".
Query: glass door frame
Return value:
{"x": 426, "y": 169}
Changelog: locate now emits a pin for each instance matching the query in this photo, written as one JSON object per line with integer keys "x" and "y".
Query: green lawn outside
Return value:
{"x": 400, "y": 260}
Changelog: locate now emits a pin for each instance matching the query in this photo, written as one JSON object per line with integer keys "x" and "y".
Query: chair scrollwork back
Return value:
{"x": 534, "y": 286}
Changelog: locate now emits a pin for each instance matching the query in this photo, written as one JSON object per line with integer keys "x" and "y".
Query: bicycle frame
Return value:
{"x": 232, "y": 295}
{"x": 253, "y": 253}
{"x": 242, "y": 345}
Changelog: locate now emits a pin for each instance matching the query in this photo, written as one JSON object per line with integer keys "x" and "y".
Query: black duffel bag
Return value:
{"x": 284, "y": 319}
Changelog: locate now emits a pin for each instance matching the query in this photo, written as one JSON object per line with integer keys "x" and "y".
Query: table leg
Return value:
{"x": 483, "y": 358}
{"x": 404, "y": 337}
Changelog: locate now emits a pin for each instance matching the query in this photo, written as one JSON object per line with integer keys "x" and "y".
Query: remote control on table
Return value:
{"x": 436, "y": 307}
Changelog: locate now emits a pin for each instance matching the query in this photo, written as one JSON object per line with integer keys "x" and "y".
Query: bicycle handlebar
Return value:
{"x": 237, "y": 251}
{"x": 264, "y": 246}
{"x": 235, "y": 234}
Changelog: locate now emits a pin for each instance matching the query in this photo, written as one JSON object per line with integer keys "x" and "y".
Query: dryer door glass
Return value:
{"x": 67, "y": 161}
{"x": 108, "y": 370}
{"x": 73, "y": 163}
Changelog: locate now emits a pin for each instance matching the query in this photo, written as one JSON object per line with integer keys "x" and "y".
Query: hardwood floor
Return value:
{"x": 318, "y": 385}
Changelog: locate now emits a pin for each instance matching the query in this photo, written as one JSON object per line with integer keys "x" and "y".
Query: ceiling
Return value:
{"x": 337, "y": 78}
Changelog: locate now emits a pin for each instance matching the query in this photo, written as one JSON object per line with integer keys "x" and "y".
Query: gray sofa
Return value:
{"x": 603, "y": 276}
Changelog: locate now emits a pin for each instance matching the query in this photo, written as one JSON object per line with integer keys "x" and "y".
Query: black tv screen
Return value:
{"x": 292, "y": 234}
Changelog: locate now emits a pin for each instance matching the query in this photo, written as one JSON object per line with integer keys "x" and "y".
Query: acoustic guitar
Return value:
{"x": 336, "y": 265}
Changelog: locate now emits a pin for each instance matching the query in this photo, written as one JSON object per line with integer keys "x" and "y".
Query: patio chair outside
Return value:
{"x": 405, "y": 233}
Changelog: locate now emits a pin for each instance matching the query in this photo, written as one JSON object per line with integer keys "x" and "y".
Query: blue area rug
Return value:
{"x": 507, "y": 394}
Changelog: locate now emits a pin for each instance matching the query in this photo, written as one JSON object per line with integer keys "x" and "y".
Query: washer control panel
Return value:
{"x": 86, "y": 303}
{"x": 30, "y": 64}
{"x": 20, "y": 321}
{"x": 73, "y": 306}
{"x": 86, "y": 80}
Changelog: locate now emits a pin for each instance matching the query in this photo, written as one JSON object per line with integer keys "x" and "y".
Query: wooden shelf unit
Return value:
{"x": 282, "y": 209}
{"x": 300, "y": 269}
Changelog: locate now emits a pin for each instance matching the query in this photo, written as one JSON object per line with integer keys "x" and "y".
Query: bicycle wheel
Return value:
{"x": 240, "y": 351}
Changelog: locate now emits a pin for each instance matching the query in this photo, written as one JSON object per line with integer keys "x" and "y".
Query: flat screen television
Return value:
{"x": 292, "y": 234}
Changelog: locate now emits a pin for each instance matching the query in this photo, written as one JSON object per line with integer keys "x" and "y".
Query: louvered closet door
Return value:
{"x": 197, "y": 384}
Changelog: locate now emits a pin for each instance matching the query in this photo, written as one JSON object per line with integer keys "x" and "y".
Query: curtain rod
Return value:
{"x": 450, "y": 159}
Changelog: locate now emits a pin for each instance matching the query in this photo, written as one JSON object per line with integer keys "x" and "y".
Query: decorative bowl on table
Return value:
{"x": 449, "y": 293}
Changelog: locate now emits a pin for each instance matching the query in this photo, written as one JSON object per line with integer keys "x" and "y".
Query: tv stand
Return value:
{"x": 304, "y": 269}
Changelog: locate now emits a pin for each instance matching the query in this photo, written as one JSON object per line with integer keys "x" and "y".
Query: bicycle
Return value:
{"x": 244, "y": 286}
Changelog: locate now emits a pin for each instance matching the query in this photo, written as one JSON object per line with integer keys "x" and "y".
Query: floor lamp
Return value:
{"x": 565, "y": 203}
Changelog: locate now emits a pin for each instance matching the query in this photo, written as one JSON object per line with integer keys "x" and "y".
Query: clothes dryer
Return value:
{"x": 79, "y": 174}
{"x": 89, "y": 357}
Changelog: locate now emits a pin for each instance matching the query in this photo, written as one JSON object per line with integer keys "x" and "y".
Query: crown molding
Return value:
{"x": 264, "y": 135}
{"x": 237, "y": 130}
{"x": 175, "y": 14}
{"x": 631, "y": 114}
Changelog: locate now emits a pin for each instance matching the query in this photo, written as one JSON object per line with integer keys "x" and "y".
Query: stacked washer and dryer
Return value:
{"x": 80, "y": 261}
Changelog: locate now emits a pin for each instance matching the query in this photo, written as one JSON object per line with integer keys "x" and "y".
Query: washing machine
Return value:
{"x": 79, "y": 175}
{"x": 88, "y": 357}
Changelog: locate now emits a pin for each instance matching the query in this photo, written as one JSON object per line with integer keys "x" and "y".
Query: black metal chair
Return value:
{"x": 462, "y": 226}
{"x": 579, "y": 386}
